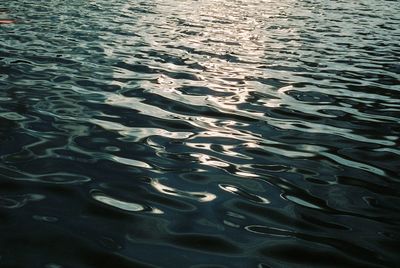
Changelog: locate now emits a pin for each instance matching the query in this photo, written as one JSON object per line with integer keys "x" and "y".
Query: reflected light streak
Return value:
{"x": 198, "y": 196}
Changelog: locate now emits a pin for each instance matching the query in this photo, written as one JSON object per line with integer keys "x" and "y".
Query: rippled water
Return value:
{"x": 210, "y": 133}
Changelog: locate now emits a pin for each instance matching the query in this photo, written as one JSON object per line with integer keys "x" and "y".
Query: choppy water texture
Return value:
{"x": 210, "y": 133}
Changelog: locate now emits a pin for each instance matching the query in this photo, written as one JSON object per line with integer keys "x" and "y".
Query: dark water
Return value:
{"x": 210, "y": 133}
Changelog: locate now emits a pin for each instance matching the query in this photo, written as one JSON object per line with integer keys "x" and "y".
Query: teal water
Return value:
{"x": 209, "y": 133}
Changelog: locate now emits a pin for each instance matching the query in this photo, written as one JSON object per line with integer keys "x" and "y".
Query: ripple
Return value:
{"x": 123, "y": 205}
{"x": 198, "y": 196}
{"x": 14, "y": 202}
{"x": 237, "y": 191}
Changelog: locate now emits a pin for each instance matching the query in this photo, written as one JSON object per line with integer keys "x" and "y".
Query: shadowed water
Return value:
{"x": 210, "y": 133}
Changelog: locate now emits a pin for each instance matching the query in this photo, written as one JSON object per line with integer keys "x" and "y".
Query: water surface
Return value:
{"x": 210, "y": 133}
